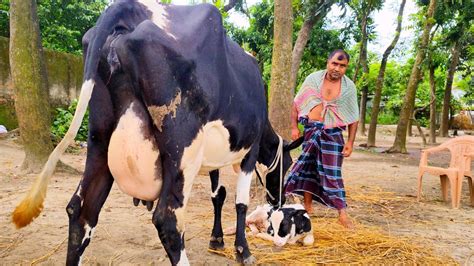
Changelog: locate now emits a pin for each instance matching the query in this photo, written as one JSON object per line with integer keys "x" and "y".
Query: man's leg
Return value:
{"x": 308, "y": 202}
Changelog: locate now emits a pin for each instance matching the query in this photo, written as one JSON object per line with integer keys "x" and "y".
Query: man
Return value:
{"x": 325, "y": 105}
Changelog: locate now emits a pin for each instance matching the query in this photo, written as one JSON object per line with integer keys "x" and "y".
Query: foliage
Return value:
{"x": 62, "y": 23}
{"x": 63, "y": 119}
{"x": 4, "y": 18}
{"x": 258, "y": 39}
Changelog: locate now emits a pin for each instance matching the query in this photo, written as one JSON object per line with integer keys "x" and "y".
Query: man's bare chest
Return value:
{"x": 330, "y": 90}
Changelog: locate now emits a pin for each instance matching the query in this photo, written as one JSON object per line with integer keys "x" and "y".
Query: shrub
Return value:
{"x": 63, "y": 119}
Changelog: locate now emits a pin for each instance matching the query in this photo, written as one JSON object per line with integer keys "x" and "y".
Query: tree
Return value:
{"x": 316, "y": 13}
{"x": 30, "y": 83}
{"x": 280, "y": 92}
{"x": 62, "y": 23}
{"x": 380, "y": 78}
{"x": 362, "y": 10}
{"x": 399, "y": 145}
{"x": 447, "y": 90}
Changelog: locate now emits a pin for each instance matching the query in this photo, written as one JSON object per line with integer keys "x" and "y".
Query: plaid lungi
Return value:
{"x": 318, "y": 169}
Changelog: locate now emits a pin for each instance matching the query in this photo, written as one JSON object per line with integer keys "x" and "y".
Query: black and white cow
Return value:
{"x": 170, "y": 95}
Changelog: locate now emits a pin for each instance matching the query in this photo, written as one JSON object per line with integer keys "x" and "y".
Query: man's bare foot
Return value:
{"x": 344, "y": 220}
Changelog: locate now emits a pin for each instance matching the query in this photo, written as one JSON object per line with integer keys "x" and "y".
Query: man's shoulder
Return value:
{"x": 350, "y": 83}
{"x": 315, "y": 75}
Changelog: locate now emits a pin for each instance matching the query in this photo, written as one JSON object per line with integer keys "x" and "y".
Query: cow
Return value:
{"x": 170, "y": 95}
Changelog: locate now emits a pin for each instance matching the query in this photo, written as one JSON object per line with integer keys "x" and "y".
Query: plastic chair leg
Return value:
{"x": 454, "y": 190}
{"x": 471, "y": 189}
{"x": 444, "y": 186}
{"x": 420, "y": 178}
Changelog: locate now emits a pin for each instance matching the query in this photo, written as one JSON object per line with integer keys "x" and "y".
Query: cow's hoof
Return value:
{"x": 243, "y": 256}
{"x": 216, "y": 243}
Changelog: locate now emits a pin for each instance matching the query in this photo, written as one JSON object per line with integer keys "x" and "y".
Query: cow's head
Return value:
{"x": 287, "y": 223}
{"x": 274, "y": 184}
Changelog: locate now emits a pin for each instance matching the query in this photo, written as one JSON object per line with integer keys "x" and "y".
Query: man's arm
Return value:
{"x": 295, "y": 132}
{"x": 347, "y": 151}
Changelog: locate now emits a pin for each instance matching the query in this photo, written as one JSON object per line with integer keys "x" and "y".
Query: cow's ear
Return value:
{"x": 293, "y": 145}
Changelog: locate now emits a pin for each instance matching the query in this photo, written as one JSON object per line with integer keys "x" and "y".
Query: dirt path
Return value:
{"x": 381, "y": 190}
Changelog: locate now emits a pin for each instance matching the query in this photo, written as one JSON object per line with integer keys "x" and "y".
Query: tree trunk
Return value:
{"x": 399, "y": 145}
{"x": 432, "y": 105}
{"x": 303, "y": 37}
{"x": 447, "y": 91}
{"x": 30, "y": 84}
{"x": 280, "y": 92}
{"x": 363, "y": 62}
{"x": 363, "y": 43}
{"x": 231, "y": 5}
{"x": 380, "y": 79}
{"x": 363, "y": 109}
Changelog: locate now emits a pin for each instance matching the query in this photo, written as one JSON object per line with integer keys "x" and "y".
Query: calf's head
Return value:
{"x": 287, "y": 223}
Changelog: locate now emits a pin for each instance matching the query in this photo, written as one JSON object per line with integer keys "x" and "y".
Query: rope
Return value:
{"x": 271, "y": 168}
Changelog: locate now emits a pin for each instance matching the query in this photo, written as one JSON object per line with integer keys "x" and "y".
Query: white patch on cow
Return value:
{"x": 243, "y": 188}
{"x": 183, "y": 259}
{"x": 89, "y": 231}
{"x": 214, "y": 193}
{"x": 159, "y": 15}
{"x": 216, "y": 142}
{"x": 132, "y": 158}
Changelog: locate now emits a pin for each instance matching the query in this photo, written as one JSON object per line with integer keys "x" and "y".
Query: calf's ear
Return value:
{"x": 293, "y": 145}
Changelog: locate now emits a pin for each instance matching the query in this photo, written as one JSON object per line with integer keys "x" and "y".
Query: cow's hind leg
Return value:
{"x": 168, "y": 217}
{"x": 218, "y": 196}
{"x": 83, "y": 210}
{"x": 84, "y": 206}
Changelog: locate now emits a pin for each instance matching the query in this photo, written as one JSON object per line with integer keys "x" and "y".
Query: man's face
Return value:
{"x": 337, "y": 67}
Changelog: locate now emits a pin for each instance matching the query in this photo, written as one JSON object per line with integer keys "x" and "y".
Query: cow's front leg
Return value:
{"x": 84, "y": 207}
{"x": 241, "y": 205}
{"x": 168, "y": 217}
{"x": 218, "y": 196}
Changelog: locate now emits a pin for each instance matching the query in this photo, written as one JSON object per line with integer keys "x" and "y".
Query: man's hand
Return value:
{"x": 295, "y": 133}
{"x": 347, "y": 150}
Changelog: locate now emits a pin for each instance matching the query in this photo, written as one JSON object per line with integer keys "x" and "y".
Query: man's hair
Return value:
{"x": 343, "y": 55}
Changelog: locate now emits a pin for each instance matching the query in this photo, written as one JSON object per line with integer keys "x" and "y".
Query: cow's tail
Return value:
{"x": 31, "y": 206}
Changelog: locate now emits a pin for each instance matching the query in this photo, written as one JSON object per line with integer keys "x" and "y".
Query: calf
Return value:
{"x": 286, "y": 225}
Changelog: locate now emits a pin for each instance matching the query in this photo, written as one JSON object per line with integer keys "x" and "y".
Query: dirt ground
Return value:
{"x": 126, "y": 236}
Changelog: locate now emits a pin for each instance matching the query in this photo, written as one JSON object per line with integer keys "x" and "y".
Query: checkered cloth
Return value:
{"x": 318, "y": 169}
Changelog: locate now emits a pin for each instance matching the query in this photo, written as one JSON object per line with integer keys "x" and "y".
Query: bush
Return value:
{"x": 384, "y": 118}
{"x": 63, "y": 119}
{"x": 387, "y": 119}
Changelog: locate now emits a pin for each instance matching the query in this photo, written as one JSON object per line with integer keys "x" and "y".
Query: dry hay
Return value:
{"x": 376, "y": 200}
{"x": 335, "y": 244}
{"x": 364, "y": 245}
